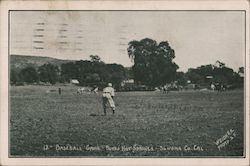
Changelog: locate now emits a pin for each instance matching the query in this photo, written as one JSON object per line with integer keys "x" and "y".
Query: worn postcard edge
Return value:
{"x": 5, "y": 6}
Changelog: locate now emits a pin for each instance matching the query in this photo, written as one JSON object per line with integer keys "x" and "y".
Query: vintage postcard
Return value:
{"x": 124, "y": 83}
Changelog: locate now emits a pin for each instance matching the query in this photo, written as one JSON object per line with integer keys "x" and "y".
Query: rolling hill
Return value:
{"x": 20, "y": 61}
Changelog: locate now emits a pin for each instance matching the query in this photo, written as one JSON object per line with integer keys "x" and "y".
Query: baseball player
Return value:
{"x": 107, "y": 98}
{"x": 212, "y": 86}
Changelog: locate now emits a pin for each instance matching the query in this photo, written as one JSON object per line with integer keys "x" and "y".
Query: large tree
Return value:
{"x": 220, "y": 74}
{"x": 199, "y": 75}
{"x": 153, "y": 62}
{"x": 48, "y": 73}
{"x": 116, "y": 74}
{"x": 28, "y": 75}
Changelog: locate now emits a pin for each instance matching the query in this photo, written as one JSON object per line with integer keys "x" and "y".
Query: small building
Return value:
{"x": 127, "y": 82}
{"x": 74, "y": 81}
{"x": 209, "y": 77}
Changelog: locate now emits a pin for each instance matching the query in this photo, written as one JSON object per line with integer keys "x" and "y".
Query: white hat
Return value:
{"x": 110, "y": 84}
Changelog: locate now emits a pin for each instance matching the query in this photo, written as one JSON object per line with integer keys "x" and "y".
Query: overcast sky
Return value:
{"x": 198, "y": 37}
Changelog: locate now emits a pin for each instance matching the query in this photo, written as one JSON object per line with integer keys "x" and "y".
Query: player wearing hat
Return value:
{"x": 107, "y": 98}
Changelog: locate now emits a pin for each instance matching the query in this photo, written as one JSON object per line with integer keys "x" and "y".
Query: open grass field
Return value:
{"x": 177, "y": 124}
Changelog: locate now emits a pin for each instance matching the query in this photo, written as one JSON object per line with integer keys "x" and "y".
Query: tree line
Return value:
{"x": 153, "y": 66}
{"x": 92, "y": 72}
{"x": 208, "y": 74}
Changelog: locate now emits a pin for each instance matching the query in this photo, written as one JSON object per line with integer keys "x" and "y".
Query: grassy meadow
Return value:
{"x": 185, "y": 123}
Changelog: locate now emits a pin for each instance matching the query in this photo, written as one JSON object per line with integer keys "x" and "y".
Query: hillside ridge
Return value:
{"x": 22, "y": 61}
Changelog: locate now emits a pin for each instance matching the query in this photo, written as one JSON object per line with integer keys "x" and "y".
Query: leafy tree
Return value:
{"x": 220, "y": 74}
{"x": 153, "y": 62}
{"x": 220, "y": 64}
{"x": 241, "y": 70}
{"x": 129, "y": 73}
{"x": 88, "y": 71}
{"x": 69, "y": 71}
{"x": 48, "y": 73}
{"x": 94, "y": 72}
{"x": 194, "y": 76}
{"x": 91, "y": 78}
{"x": 223, "y": 75}
{"x": 199, "y": 74}
{"x": 116, "y": 74}
{"x": 95, "y": 58}
{"x": 181, "y": 78}
{"x": 28, "y": 75}
{"x": 14, "y": 77}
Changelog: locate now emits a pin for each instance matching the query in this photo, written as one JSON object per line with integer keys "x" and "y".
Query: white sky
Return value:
{"x": 198, "y": 37}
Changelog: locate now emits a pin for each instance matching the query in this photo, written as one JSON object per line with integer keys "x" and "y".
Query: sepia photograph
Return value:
{"x": 123, "y": 83}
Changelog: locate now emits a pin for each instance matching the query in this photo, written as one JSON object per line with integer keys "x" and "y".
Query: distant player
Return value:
{"x": 213, "y": 87}
{"x": 166, "y": 89}
{"x": 59, "y": 91}
{"x": 107, "y": 98}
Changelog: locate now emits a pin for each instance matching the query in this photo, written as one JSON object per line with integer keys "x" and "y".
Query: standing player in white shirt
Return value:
{"x": 107, "y": 98}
